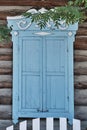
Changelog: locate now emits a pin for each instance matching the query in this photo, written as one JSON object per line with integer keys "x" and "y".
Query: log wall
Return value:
{"x": 80, "y": 72}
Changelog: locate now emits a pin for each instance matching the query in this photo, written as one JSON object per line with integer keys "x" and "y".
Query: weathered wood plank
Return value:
{"x": 81, "y": 85}
{"x": 5, "y": 84}
{"x": 4, "y": 71}
{"x": 6, "y": 92}
{"x": 80, "y": 97}
{"x": 6, "y": 57}
{"x": 5, "y": 96}
{"x": 4, "y": 14}
{"x": 79, "y": 39}
{"x": 36, "y": 124}
{"x": 5, "y": 64}
{"x": 80, "y": 71}
{"x": 10, "y": 127}
{"x": 80, "y": 46}
{"x": 23, "y": 125}
{"x": 63, "y": 124}
{"x": 81, "y": 112}
{"x": 12, "y": 11}
{"x": 76, "y": 124}
{"x": 80, "y": 55}
{"x": 80, "y": 64}
{"x": 82, "y": 31}
{"x": 5, "y": 100}
{"x": 49, "y": 124}
{"x": 5, "y": 45}
{"x": 4, "y": 78}
{"x": 81, "y": 43}
{"x": 33, "y": 3}
{"x": 5, "y": 112}
{"x": 81, "y": 81}
{"x": 14, "y": 8}
{"x": 80, "y": 68}
{"x": 5, "y": 51}
{"x": 6, "y": 54}
{"x": 83, "y": 25}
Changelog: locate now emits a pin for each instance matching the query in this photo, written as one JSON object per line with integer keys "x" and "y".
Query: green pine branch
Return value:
{"x": 4, "y": 33}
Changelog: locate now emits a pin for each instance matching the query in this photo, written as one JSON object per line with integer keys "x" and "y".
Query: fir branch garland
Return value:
{"x": 73, "y": 12}
{"x": 4, "y": 33}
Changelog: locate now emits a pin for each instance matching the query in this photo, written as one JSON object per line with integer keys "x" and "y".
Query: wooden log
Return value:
{"x": 5, "y": 51}
{"x": 81, "y": 43}
{"x": 5, "y": 96}
{"x": 14, "y": 8}
{"x": 81, "y": 85}
{"x": 83, "y": 25}
{"x": 5, "y": 84}
{"x": 5, "y": 45}
{"x": 5, "y": 71}
{"x": 3, "y": 15}
{"x": 5, "y": 54}
{"x": 80, "y": 55}
{"x": 81, "y": 112}
{"x": 78, "y": 39}
{"x": 5, "y": 112}
{"x": 33, "y": 3}
{"x": 82, "y": 31}
{"x": 6, "y": 92}
{"x": 5, "y": 100}
{"x": 80, "y": 71}
{"x": 5, "y": 64}
{"x": 79, "y": 65}
{"x": 6, "y": 57}
{"x": 81, "y": 81}
{"x": 12, "y": 11}
{"x": 80, "y": 68}
{"x": 80, "y": 46}
{"x": 81, "y": 97}
{"x": 5, "y": 78}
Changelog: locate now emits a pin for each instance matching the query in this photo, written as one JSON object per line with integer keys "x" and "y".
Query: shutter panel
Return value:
{"x": 30, "y": 74}
{"x": 56, "y": 72}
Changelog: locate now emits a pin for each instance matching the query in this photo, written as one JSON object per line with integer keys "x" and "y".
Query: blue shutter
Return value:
{"x": 30, "y": 84}
{"x": 43, "y": 74}
{"x": 56, "y": 74}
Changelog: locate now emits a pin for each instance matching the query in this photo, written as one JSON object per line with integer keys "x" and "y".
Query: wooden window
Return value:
{"x": 33, "y": 2}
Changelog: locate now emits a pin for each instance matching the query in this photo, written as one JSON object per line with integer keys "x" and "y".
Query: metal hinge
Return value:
{"x": 18, "y": 98}
{"x": 18, "y": 48}
{"x": 67, "y": 50}
{"x": 68, "y": 97}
